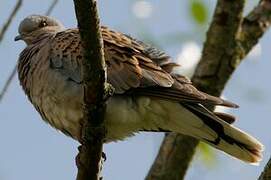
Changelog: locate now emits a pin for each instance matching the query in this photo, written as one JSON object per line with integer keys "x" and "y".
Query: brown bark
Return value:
{"x": 95, "y": 91}
{"x": 229, "y": 39}
{"x": 266, "y": 174}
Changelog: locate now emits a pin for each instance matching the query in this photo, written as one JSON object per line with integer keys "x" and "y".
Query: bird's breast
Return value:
{"x": 60, "y": 103}
{"x": 58, "y": 100}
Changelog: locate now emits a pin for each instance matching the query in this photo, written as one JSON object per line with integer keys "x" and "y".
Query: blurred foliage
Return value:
{"x": 198, "y": 11}
{"x": 207, "y": 155}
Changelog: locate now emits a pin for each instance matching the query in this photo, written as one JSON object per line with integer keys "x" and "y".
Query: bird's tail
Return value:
{"x": 223, "y": 136}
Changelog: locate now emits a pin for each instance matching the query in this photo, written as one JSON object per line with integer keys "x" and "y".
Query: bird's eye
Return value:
{"x": 43, "y": 24}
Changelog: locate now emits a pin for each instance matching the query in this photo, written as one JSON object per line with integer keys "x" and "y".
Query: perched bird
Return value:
{"x": 148, "y": 95}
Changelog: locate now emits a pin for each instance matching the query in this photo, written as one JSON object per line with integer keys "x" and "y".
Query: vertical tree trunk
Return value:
{"x": 96, "y": 90}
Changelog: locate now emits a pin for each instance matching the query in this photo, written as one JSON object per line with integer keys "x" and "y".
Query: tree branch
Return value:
{"x": 10, "y": 18}
{"x": 255, "y": 24}
{"x": 2, "y": 34}
{"x": 266, "y": 174}
{"x": 51, "y": 7}
{"x": 173, "y": 158}
{"x": 95, "y": 90}
{"x": 229, "y": 39}
{"x": 8, "y": 81}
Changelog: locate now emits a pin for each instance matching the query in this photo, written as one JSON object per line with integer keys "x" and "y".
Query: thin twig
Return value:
{"x": 2, "y": 34}
{"x": 13, "y": 73}
{"x": 51, "y": 7}
{"x": 7, "y": 83}
{"x": 10, "y": 18}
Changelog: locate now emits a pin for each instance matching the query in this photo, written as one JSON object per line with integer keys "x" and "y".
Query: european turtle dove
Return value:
{"x": 148, "y": 95}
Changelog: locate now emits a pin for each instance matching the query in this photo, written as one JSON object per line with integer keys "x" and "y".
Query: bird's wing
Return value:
{"x": 132, "y": 67}
{"x": 182, "y": 90}
{"x": 123, "y": 48}
{"x": 129, "y": 66}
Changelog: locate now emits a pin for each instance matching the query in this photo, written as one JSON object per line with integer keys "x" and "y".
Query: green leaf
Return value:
{"x": 198, "y": 11}
{"x": 207, "y": 155}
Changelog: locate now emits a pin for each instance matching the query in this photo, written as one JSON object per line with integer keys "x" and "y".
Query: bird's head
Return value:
{"x": 34, "y": 26}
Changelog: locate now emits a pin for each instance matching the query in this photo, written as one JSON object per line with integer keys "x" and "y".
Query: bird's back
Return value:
{"x": 148, "y": 96}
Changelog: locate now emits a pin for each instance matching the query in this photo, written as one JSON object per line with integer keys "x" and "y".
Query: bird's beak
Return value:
{"x": 17, "y": 38}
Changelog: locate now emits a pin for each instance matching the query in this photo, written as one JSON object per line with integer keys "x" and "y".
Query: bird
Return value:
{"x": 149, "y": 95}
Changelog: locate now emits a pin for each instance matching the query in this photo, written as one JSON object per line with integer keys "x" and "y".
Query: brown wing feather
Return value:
{"x": 132, "y": 66}
{"x": 183, "y": 91}
{"x": 129, "y": 66}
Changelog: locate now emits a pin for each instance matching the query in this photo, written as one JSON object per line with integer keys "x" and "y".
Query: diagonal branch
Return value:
{"x": 96, "y": 90}
{"x": 229, "y": 39}
{"x": 14, "y": 70}
{"x": 266, "y": 174}
{"x": 255, "y": 24}
{"x": 8, "y": 82}
{"x": 10, "y": 18}
{"x": 2, "y": 34}
{"x": 51, "y": 7}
